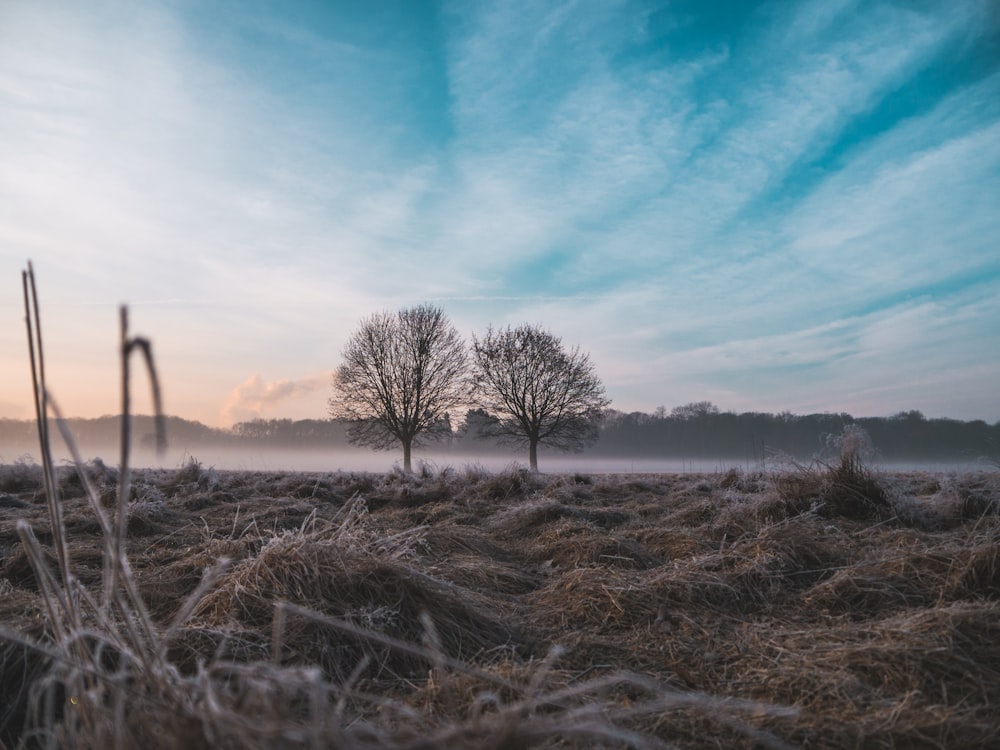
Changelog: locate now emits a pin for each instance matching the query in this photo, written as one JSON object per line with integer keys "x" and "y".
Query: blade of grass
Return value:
{"x": 33, "y": 324}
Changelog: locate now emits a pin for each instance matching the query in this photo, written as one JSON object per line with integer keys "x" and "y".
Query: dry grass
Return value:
{"x": 735, "y": 615}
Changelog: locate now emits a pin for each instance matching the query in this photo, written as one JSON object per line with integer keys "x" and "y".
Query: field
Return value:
{"x": 821, "y": 606}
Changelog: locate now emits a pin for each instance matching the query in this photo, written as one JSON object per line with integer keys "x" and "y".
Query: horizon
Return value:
{"x": 771, "y": 206}
{"x": 650, "y": 413}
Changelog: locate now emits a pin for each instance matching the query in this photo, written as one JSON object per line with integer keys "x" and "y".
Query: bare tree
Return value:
{"x": 401, "y": 374}
{"x": 539, "y": 392}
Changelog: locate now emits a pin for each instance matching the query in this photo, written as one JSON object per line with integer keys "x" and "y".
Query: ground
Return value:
{"x": 814, "y": 606}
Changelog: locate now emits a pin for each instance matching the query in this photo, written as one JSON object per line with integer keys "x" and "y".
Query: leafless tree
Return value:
{"x": 539, "y": 392}
{"x": 401, "y": 374}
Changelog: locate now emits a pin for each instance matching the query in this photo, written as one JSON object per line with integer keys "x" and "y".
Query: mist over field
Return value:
{"x": 371, "y": 461}
{"x": 358, "y": 460}
{"x": 276, "y": 459}
{"x": 313, "y": 461}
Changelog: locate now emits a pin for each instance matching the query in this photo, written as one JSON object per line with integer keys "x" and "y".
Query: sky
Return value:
{"x": 778, "y": 206}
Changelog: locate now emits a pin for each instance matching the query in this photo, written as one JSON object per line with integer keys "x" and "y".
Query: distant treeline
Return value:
{"x": 19, "y": 436}
{"x": 698, "y": 430}
{"x": 701, "y": 430}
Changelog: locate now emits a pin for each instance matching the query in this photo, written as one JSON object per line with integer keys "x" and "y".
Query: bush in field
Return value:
{"x": 845, "y": 485}
{"x": 851, "y": 486}
{"x": 21, "y": 475}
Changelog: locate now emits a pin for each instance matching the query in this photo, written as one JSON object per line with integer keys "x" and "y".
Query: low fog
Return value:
{"x": 379, "y": 461}
{"x": 277, "y": 460}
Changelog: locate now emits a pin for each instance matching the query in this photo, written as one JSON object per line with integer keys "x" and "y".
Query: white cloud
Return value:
{"x": 254, "y": 398}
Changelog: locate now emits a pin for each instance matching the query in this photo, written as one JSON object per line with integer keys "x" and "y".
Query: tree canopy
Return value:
{"x": 539, "y": 392}
{"x": 401, "y": 374}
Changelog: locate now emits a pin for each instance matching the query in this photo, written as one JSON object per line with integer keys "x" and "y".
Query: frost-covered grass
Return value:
{"x": 460, "y": 608}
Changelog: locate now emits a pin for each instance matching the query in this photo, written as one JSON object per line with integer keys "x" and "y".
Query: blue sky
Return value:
{"x": 771, "y": 206}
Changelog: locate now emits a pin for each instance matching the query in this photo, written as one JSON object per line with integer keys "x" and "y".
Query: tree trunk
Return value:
{"x": 406, "y": 456}
{"x": 533, "y": 455}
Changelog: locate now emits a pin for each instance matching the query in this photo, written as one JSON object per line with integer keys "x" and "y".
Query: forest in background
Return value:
{"x": 698, "y": 430}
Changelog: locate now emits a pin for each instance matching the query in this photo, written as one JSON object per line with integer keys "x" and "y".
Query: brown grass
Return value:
{"x": 688, "y": 617}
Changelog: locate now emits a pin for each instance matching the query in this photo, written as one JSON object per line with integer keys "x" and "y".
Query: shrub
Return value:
{"x": 851, "y": 488}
